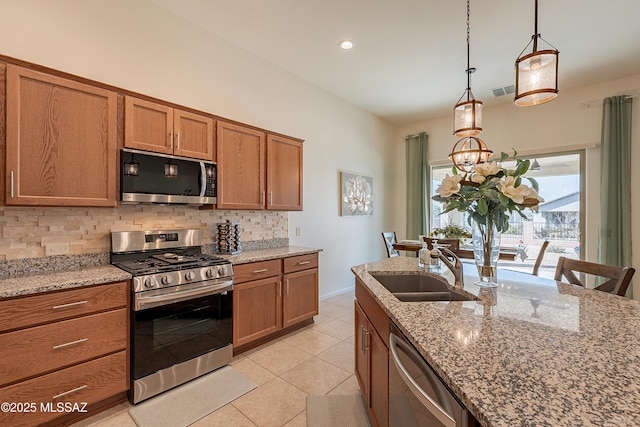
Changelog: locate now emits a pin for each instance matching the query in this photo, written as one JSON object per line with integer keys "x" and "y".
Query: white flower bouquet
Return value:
{"x": 490, "y": 193}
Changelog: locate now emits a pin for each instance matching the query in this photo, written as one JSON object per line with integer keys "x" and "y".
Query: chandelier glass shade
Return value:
{"x": 469, "y": 151}
{"x": 467, "y": 116}
{"x": 536, "y": 72}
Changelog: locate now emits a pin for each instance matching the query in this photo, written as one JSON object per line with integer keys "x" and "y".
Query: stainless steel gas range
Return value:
{"x": 181, "y": 319}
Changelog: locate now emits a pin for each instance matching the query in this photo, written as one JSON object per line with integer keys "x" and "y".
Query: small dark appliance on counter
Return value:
{"x": 227, "y": 239}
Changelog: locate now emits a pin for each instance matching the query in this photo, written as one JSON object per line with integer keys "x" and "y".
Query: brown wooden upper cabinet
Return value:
{"x": 159, "y": 128}
{"x": 257, "y": 170}
{"x": 61, "y": 141}
{"x": 284, "y": 173}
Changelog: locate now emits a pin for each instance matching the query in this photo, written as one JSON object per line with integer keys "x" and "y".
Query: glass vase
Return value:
{"x": 486, "y": 250}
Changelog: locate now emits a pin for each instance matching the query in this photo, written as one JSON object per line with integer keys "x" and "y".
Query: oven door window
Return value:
{"x": 174, "y": 333}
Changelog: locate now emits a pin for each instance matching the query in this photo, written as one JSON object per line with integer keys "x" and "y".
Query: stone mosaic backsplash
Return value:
{"x": 26, "y": 231}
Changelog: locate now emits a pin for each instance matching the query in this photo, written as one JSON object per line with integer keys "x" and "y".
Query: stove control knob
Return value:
{"x": 165, "y": 280}
{"x": 148, "y": 283}
{"x": 210, "y": 273}
{"x": 190, "y": 275}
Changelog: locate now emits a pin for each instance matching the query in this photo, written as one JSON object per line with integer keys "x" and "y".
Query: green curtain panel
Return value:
{"x": 417, "y": 184}
{"x": 615, "y": 182}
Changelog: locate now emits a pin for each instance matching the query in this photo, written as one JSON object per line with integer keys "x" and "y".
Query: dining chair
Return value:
{"x": 389, "y": 239}
{"x": 452, "y": 244}
{"x": 536, "y": 265}
{"x": 619, "y": 277}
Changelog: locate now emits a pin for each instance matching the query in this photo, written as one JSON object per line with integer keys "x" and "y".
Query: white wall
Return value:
{"x": 562, "y": 124}
{"x": 137, "y": 46}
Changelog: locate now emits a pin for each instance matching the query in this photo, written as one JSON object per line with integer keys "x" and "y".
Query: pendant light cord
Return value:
{"x": 468, "y": 49}
{"x": 535, "y": 29}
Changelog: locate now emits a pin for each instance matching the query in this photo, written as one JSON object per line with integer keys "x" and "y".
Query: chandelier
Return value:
{"x": 536, "y": 72}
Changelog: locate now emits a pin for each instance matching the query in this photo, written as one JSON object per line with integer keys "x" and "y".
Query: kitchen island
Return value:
{"x": 533, "y": 352}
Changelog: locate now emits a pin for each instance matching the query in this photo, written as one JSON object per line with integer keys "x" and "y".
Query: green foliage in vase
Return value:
{"x": 490, "y": 193}
{"x": 450, "y": 231}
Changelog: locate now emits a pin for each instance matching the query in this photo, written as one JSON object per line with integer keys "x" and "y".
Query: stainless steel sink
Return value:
{"x": 418, "y": 287}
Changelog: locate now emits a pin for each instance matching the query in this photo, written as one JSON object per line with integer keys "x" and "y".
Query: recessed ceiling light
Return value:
{"x": 346, "y": 44}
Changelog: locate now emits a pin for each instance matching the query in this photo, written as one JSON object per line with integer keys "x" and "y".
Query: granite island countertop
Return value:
{"x": 532, "y": 352}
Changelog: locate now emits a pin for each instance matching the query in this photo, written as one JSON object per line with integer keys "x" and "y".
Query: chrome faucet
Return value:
{"x": 454, "y": 264}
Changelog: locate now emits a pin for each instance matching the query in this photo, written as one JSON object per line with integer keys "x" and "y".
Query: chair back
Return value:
{"x": 452, "y": 244}
{"x": 389, "y": 239}
{"x": 619, "y": 277}
{"x": 536, "y": 266}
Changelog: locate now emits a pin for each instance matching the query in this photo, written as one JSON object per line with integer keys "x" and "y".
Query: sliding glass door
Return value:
{"x": 560, "y": 219}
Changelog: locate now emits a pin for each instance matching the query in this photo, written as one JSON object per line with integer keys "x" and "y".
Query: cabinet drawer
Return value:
{"x": 40, "y": 349}
{"x": 88, "y": 382}
{"x": 28, "y": 311}
{"x": 300, "y": 262}
{"x": 256, "y": 270}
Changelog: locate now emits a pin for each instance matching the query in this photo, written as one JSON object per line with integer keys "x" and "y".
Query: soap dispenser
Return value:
{"x": 423, "y": 256}
{"x": 434, "y": 262}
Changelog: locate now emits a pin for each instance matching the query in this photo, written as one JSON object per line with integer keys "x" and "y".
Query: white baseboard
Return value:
{"x": 336, "y": 293}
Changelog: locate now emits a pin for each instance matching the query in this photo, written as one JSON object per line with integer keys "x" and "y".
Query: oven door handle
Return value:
{"x": 144, "y": 302}
{"x": 429, "y": 403}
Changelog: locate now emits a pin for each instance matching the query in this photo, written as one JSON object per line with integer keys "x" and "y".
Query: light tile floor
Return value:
{"x": 315, "y": 360}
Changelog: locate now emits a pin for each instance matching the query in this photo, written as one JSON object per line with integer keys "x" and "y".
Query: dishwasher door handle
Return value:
{"x": 427, "y": 401}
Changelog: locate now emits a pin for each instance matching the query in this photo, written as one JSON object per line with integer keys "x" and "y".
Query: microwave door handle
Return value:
{"x": 203, "y": 179}
{"x": 432, "y": 406}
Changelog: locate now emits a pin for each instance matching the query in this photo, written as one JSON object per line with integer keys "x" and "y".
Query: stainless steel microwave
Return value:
{"x": 157, "y": 178}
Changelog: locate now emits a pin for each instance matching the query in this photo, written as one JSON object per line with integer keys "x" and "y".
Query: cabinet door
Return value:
{"x": 284, "y": 173}
{"x": 193, "y": 135}
{"x": 378, "y": 380}
{"x": 257, "y": 309}
{"x": 300, "y": 300}
{"x": 148, "y": 126}
{"x": 61, "y": 141}
{"x": 241, "y": 160}
{"x": 362, "y": 355}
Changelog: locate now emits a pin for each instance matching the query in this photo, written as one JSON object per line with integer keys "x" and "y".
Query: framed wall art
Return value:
{"x": 356, "y": 194}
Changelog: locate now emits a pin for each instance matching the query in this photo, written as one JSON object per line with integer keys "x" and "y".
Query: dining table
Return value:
{"x": 466, "y": 252}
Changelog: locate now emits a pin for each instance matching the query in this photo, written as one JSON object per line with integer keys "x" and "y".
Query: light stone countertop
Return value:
{"x": 58, "y": 280}
{"x": 268, "y": 254}
{"x": 573, "y": 361}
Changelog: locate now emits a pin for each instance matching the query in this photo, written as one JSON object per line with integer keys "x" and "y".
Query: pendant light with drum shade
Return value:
{"x": 467, "y": 118}
{"x": 467, "y": 113}
{"x": 536, "y": 72}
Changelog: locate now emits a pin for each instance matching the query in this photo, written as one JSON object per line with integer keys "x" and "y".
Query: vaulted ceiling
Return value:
{"x": 409, "y": 59}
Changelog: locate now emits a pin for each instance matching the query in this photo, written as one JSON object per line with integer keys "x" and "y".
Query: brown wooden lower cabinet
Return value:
{"x": 63, "y": 354}
{"x": 257, "y": 309}
{"x": 372, "y": 364}
{"x": 69, "y": 390}
{"x": 300, "y": 296}
{"x": 264, "y": 306}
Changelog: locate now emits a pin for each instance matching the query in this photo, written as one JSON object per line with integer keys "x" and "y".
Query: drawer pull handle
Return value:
{"x": 71, "y": 304}
{"x": 70, "y": 391}
{"x": 262, "y": 270}
{"x": 303, "y": 262}
{"x": 55, "y": 347}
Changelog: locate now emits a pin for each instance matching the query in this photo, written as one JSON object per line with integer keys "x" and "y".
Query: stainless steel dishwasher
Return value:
{"x": 417, "y": 396}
